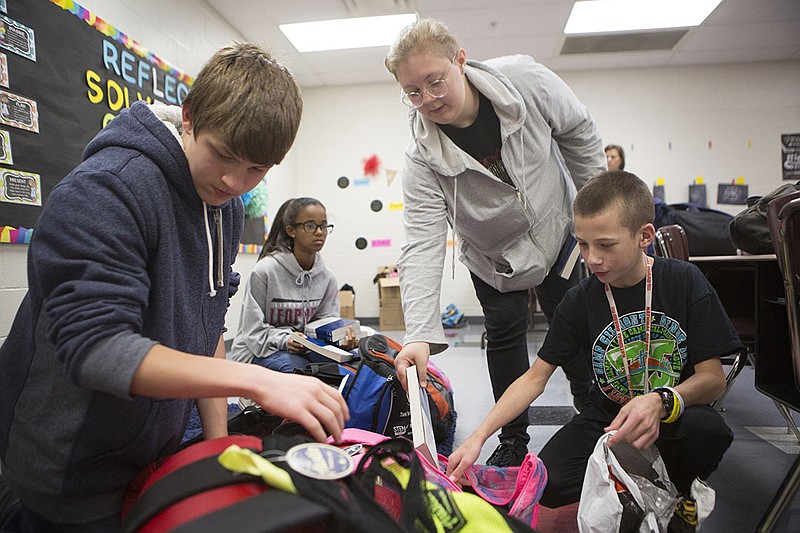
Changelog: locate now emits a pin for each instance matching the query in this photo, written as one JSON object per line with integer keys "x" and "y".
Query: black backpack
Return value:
{"x": 750, "y": 229}
{"x": 706, "y": 229}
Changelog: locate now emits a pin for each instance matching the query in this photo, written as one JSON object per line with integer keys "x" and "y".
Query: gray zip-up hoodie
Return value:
{"x": 509, "y": 236}
{"x": 281, "y": 297}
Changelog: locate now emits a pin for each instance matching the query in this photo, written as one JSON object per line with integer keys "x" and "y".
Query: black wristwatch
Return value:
{"x": 667, "y": 400}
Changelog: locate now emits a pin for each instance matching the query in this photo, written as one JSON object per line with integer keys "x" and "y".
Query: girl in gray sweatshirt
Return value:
{"x": 288, "y": 288}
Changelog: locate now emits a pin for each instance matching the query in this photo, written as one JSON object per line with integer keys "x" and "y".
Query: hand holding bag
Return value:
{"x": 640, "y": 473}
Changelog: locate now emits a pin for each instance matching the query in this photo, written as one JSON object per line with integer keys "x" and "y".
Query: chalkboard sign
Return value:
{"x": 790, "y": 156}
{"x": 697, "y": 194}
{"x": 64, "y": 74}
{"x": 732, "y": 194}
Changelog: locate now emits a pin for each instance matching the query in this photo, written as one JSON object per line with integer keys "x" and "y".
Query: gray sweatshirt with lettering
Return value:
{"x": 281, "y": 297}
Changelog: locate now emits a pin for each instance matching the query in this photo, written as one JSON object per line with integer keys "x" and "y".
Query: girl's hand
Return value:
{"x": 293, "y": 346}
{"x": 350, "y": 341}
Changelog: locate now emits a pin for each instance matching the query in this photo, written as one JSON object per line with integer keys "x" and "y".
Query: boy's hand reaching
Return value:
{"x": 638, "y": 422}
{"x": 308, "y": 401}
{"x": 461, "y": 460}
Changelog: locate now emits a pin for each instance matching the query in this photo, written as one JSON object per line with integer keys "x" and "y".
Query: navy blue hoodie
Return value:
{"x": 118, "y": 262}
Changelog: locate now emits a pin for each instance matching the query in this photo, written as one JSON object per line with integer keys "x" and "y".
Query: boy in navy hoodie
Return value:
{"x": 129, "y": 279}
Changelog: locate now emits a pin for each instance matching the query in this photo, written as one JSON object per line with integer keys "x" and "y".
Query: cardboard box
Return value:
{"x": 347, "y": 304}
{"x": 389, "y": 289}
{"x": 391, "y": 310}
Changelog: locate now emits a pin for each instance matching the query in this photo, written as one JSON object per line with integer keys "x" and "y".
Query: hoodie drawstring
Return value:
{"x": 211, "y": 291}
{"x": 300, "y": 281}
{"x": 455, "y": 216}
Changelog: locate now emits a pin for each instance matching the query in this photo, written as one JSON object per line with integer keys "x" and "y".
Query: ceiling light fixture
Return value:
{"x": 630, "y": 15}
{"x": 362, "y": 32}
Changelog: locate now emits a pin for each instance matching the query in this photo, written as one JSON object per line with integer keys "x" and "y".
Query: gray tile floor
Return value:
{"x": 746, "y": 481}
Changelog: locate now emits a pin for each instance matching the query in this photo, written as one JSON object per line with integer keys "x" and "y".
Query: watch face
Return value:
{"x": 667, "y": 400}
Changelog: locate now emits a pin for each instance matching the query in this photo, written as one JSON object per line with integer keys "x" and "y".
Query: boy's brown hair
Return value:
{"x": 618, "y": 190}
{"x": 250, "y": 100}
{"x": 422, "y": 35}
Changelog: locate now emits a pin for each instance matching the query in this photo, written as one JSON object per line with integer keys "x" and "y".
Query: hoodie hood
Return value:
{"x": 154, "y": 131}
{"x": 436, "y": 149}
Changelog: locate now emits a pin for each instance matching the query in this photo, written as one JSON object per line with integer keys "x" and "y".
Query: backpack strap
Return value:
{"x": 270, "y": 511}
{"x": 194, "y": 478}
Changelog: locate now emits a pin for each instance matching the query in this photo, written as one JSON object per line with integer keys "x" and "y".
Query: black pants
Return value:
{"x": 506, "y": 322}
{"x": 691, "y": 448}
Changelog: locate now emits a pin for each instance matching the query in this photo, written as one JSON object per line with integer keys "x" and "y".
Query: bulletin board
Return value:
{"x": 64, "y": 74}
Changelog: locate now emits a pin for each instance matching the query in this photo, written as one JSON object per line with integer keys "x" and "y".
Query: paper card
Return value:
{"x": 17, "y": 187}
{"x": 17, "y": 38}
{"x": 3, "y": 70}
{"x": 19, "y": 112}
{"x": 5, "y": 148}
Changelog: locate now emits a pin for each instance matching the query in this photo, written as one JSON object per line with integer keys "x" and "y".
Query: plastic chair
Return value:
{"x": 784, "y": 224}
{"x": 671, "y": 241}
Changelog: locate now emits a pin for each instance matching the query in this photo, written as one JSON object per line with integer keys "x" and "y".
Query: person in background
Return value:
{"x": 653, "y": 330}
{"x": 615, "y": 157}
{"x": 498, "y": 149}
{"x": 129, "y": 280}
{"x": 288, "y": 288}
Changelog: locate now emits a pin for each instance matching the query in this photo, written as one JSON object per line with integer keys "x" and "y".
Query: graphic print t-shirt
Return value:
{"x": 689, "y": 325}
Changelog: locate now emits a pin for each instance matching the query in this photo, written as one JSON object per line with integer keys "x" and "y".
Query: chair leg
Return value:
{"x": 781, "y": 500}
{"x": 738, "y": 365}
{"x": 790, "y": 423}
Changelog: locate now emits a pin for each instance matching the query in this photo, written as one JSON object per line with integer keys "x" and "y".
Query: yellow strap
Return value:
{"x": 246, "y": 461}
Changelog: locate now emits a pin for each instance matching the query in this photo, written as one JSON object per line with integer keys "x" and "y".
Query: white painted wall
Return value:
{"x": 742, "y": 109}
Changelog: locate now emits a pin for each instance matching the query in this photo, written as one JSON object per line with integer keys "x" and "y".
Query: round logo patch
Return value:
{"x": 319, "y": 461}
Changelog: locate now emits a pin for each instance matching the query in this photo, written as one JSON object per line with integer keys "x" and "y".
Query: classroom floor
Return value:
{"x": 745, "y": 483}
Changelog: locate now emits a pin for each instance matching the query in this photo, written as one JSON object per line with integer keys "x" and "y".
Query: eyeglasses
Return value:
{"x": 437, "y": 89}
{"x": 312, "y": 227}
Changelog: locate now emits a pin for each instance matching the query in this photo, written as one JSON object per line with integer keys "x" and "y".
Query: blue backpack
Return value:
{"x": 376, "y": 399}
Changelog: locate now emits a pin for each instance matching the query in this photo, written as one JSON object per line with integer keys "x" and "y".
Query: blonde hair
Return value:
{"x": 427, "y": 35}
{"x": 251, "y": 101}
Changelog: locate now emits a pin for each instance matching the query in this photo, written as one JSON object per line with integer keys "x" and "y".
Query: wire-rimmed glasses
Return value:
{"x": 437, "y": 89}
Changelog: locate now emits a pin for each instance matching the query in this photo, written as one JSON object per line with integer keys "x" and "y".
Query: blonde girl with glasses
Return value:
{"x": 499, "y": 148}
{"x": 288, "y": 288}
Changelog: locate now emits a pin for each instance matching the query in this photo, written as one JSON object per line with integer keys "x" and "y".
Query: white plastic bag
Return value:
{"x": 644, "y": 475}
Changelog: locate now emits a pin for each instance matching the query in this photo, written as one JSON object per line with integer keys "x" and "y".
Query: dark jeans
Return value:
{"x": 692, "y": 447}
{"x": 284, "y": 361}
{"x": 506, "y": 323}
{"x": 26, "y": 521}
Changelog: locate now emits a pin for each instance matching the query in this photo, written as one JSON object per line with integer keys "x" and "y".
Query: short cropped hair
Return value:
{"x": 618, "y": 190}
{"x": 426, "y": 35}
{"x": 251, "y": 101}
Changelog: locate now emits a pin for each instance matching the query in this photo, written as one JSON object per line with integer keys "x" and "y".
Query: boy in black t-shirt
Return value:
{"x": 647, "y": 305}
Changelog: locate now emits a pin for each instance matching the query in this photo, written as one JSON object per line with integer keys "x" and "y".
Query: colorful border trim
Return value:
{"x": 250, "y": 248}
{"x": 110, "y": 31}
{"x": 12, "y": 235}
